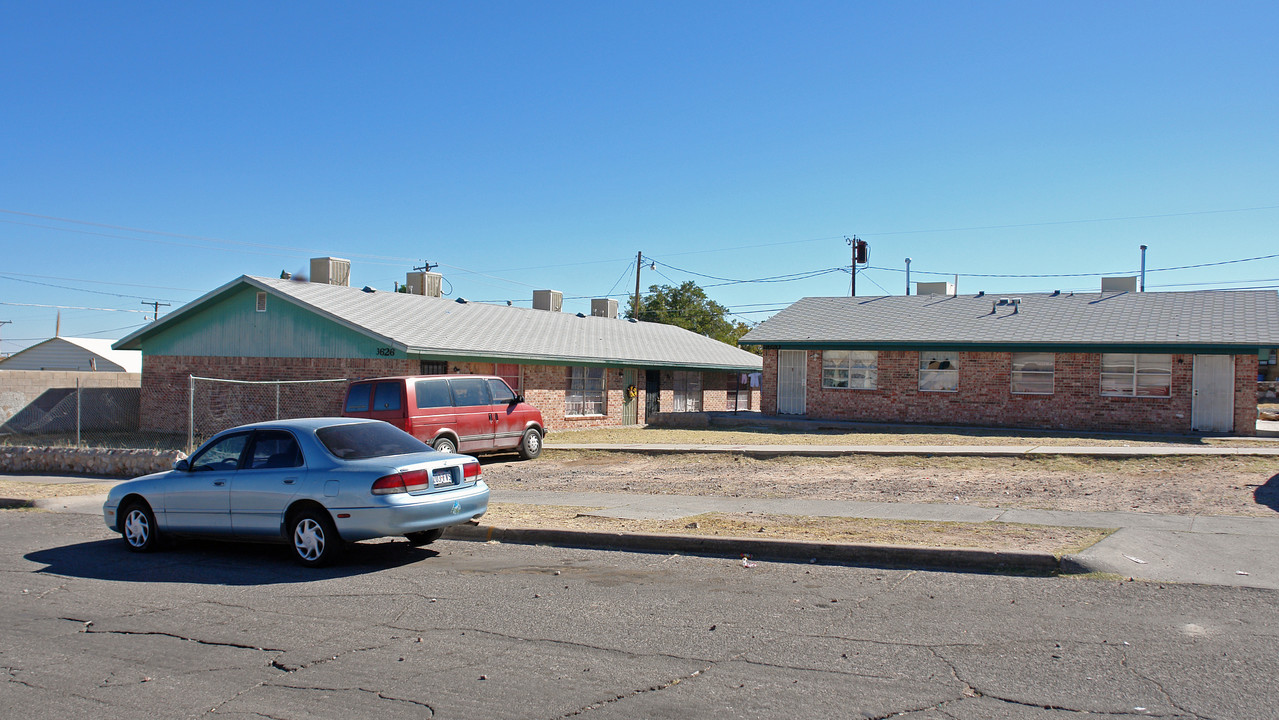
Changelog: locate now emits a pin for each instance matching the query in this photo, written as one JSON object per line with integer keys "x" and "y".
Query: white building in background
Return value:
{"x": 75, "y": 354}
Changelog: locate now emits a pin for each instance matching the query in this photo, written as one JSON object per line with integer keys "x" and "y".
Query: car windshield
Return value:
{"x": 357, "y": 441}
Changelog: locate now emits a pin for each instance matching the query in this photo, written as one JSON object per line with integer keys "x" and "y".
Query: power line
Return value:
{"x": 71, "y": 307}
{"x": 6, "y": 276}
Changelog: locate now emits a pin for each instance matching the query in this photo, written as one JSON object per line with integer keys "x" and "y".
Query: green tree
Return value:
{"x": 687, "y": 306}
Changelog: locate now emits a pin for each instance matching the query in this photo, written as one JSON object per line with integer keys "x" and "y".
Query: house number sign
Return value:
{"x": 386, "y": 351}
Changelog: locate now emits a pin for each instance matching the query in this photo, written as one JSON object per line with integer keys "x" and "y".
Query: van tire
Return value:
{"x": 531, "y": 444}
{"x": 445, "y": 445}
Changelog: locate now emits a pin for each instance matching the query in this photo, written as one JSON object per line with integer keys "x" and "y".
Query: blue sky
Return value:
{"x": 154, "y": 151}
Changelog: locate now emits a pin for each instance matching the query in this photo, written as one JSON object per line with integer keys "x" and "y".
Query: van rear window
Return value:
{"x": 387, "y": 396}
{"x": 357, "y": 398}
{"x": 433, "y": 393}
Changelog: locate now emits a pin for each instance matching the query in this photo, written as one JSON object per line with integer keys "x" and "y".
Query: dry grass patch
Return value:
{"x": 36, "y": 491}
{"x": 986, "y": 536}
{"x": 904, "y": 436}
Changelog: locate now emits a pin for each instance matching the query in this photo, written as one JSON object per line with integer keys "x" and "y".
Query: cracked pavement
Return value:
{"x": 475, "y": 630}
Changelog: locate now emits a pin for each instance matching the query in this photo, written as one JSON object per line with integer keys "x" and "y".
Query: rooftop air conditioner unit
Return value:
{"x": 424, "y": 283}
{"x": 1119, "y": 284}
{"x": 934, "y": 288}
{"x": 604, "y": 307}
{"x": 552, "y": 300}
{"x": 331, "y": 271}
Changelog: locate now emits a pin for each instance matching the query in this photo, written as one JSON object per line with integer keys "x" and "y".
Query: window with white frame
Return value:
{"x": 1033, "y": 373}
{"x": 857, "y": 369}
{"x": 1136, "y": 375}
{"x": 687, "y": 387}
{"x": 938, "y": 371}
{"x": 585, "y": 394}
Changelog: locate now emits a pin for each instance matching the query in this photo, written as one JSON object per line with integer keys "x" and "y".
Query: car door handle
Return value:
{"x": 219, "y": 483}
{"x": 290, "y": 481}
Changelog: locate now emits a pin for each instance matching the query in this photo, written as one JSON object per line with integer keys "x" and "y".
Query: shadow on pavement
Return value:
{"x": 218, "y": 563}
{"x": 1268, "y": 494}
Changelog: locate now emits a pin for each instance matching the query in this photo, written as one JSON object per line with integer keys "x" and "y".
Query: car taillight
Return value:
{"x": 471, "y": 472}
{"x": 416, "y": 480}
{"x": 389, "y": 485}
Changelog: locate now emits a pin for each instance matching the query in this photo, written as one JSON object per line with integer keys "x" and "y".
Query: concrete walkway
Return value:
{"x": 1215, "y": 550}
{"x": 1171, "y": 450}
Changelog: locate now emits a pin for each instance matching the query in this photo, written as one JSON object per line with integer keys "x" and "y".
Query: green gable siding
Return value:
{"x": 232, "y": 327}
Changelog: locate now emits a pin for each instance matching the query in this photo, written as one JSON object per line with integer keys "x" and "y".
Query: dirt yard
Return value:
{"x": 1181, "y": 486}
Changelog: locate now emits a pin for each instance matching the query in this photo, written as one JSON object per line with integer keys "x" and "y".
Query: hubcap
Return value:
{"x": 534, "y": 442}
{"x": 136, "y": 528}
{"x": 308, "y": 538}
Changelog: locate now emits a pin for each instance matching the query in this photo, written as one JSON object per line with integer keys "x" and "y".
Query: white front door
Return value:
{"x": 1212, "y": 408}
{"x": 792, "y": 376}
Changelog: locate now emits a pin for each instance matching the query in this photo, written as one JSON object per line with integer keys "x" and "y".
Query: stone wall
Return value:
{"x": 86, "y": 461}
{"x": 1268, "y": 391}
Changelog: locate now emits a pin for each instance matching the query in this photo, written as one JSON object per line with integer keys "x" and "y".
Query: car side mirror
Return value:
{"x": 515, "y": 400}
{"x": 183, "y": 465}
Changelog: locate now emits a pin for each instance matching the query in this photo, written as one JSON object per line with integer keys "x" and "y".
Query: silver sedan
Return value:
{"x": 315, "y": 483}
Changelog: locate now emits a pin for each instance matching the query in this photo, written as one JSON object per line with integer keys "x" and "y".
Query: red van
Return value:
{"x": 453, "y": 413}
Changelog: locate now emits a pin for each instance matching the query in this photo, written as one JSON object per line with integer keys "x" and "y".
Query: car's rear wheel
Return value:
{"x": 445, "y": 445}
{"x": 315, "y": 539}
{"x": 138, "y": 528}
{"x": 531, "y": 444}
{"x": 426, "y": 537}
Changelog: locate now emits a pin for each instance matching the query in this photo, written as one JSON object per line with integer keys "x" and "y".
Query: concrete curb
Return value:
{"x": 961, "y": 559}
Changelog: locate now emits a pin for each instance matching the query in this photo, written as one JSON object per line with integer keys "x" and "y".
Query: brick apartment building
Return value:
{"x": 1176, "y": 362}
{"x": 580, "y": 371}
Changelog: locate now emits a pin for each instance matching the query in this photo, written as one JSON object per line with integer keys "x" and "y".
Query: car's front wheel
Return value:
{"x": 531, "y": 444}
{"x": 426, "y": 537}
{"x": 138, "y": 528}
{"x": 315, "y": 539}
{"x": 445, "y": 445}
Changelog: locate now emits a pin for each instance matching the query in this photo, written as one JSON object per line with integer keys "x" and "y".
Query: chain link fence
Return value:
{"x": 216, "y": 404}
{"x": 170, "y": 418}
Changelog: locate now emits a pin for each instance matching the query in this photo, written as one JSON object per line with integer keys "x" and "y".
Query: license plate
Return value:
{"x": 442, "y": 478}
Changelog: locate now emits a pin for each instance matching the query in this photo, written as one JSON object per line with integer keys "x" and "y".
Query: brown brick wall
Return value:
{"x": 985, "y": 397}
{"x": 165, "y": 386}
{"x": 165, "y": 389}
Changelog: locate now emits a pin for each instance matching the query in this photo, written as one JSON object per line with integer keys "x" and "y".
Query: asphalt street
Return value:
{"x": 477, "y": 630}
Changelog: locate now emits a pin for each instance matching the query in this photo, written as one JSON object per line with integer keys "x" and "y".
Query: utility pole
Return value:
{"x": 860, "y": 254}
{"x": 2, "y": 324}
{"x": 156, "y": 305}
{"x": 1143, "y": 268}
{"x": 639, "y": 261}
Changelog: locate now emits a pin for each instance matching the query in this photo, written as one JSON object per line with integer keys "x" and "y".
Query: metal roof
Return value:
{"x": 60, "y": 350}
{"x": 1221, "y": 320}
{"x": 438, "y": 327}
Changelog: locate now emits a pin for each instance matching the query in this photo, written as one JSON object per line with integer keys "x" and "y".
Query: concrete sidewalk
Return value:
{"x": 1214, "y": 550}
{"x": 767, "y": 451}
